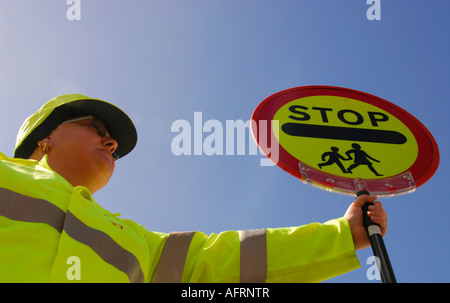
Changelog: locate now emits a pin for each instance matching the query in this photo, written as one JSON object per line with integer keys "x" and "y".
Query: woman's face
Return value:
{"x": 84, "y": 146}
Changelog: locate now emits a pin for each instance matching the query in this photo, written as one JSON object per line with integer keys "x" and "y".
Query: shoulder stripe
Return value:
{"x": 19, "y": 207}
{"x": 253, "y": 267}
{"x": 105, "y": 247}
{"x": 173, "y": 256}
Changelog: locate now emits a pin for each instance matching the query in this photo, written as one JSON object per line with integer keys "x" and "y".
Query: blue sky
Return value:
{"x": 162, "y": 61}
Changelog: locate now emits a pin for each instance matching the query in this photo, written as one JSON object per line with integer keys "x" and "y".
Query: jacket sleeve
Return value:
{"x": 308, "y": 253}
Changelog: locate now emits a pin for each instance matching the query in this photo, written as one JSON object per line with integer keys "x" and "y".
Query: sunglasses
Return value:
{"x": 98, "y": 126}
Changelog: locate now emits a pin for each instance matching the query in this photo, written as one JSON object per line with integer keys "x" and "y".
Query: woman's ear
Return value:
{"x": 43, "y": 148}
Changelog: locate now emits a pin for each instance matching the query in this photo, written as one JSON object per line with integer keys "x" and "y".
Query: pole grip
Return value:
{"x": 366, "y": 220}
{"x": 376, "y": 240}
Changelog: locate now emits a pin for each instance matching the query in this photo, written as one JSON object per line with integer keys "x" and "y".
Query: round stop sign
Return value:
{"x": 345, "y": 140}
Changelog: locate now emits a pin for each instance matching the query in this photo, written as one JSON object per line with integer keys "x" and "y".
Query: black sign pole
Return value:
{"x": 377, "y": 243}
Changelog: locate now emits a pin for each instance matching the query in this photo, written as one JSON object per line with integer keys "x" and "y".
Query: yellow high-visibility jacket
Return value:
{"x": 51, "y": 231}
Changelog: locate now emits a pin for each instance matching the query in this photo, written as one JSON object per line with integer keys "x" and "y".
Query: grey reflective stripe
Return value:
{"x": 253, "y": 268}
{"x": 105, "y": 247}
{"x": 18, "y": 207}
{"x": 173, "y": 256}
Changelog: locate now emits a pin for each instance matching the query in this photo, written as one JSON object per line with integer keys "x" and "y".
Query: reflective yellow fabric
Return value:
{"x": 108, "y": 248}
{"x": 51, "y": 231}
{"x": 310, "y": 253}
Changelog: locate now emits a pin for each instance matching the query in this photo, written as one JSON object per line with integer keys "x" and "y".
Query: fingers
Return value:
{"x": 376, "y": 211}
{"x": 378, "y": 215}
{"x": 363, "y": 199}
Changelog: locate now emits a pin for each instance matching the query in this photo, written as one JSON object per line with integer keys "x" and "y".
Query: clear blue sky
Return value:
{"x": 161, "y": 61}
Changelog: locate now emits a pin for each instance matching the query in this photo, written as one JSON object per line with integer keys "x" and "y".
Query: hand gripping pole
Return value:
{"x": 377, "y": 243}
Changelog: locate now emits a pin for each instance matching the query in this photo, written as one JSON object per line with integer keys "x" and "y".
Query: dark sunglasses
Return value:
{"x": 98, "y": 126}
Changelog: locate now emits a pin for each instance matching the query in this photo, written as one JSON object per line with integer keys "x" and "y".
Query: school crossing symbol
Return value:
{"x": 360, "y": 158}
{"x": 330, "y": 135}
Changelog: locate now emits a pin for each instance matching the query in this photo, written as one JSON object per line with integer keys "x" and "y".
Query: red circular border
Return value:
{"x": 423, "y": 168}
